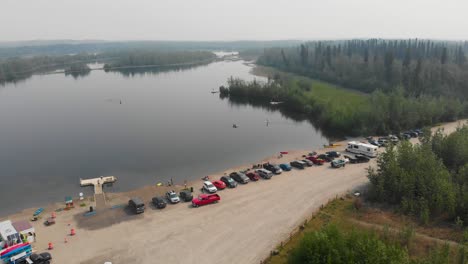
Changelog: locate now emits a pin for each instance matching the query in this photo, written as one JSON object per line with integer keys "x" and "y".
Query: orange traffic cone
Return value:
{"x": 72, "y": 232}
{"x": 54, "y": 215}
{"x": 51, "y": 246}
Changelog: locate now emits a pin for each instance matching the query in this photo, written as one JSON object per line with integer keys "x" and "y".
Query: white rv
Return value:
{"x": 362, "y": 148}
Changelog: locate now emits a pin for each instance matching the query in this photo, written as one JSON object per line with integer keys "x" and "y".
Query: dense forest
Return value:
{"x": 20, "y": 68}
{"x": 157, "y": 58}
{"x": 421, "y": 67}
{"x": 14, "y": 69}
{"x": 406, "y": 83}
{"x": 341, "y": 112}
{"x": 427, "y": 180}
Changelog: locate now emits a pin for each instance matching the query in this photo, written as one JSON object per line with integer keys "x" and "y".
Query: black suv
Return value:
{"x": 137, "y": 205}
{"x": 239, "y": 177}
{"x": 333, "y": 154}
{"x": 273, "y": 168}
{"x": 159, "y": 202}
{"x": 325, "y": 157}
{"x": 229, "y": 181}
{"x": 297, "y": 164}
{"x": 42, "y": 258}
{"x": 186, "y": 196}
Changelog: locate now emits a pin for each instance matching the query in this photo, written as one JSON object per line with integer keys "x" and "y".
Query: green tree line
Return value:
{"x": 426, "y": 180}
{"x": 158, "y": 58}
{"x": 347, "y": 113}
{"x": 14, "y": 69}
{"x": 420, "y": 67}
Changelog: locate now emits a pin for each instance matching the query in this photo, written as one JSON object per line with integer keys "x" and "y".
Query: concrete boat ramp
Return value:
{"x": 98, "y": 182}
{"x": 99, "y": 196}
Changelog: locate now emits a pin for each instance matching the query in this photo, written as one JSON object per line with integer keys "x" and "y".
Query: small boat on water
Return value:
{"x": 275, "y": 103}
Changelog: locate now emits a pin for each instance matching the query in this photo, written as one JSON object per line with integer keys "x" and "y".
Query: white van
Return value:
{"x": 362, "y": 148}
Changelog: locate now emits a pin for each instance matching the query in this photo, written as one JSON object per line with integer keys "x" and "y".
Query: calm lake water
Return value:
{"x": 55, "y": 129}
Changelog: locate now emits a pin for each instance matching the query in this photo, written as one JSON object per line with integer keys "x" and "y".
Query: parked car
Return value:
{"x": 209, "y": 187}
{"x": 186, "y": 195}
{"x": 374, "y": 142}
{"x": 253, "y": 176}
{"x": 308, "y": 163}
{"x": 316, "y": 160}
{"x": 325, "y": 157}
{"x": 159, "y": 202}
{"x": 204, "y": 199}
{"x": 419, "y": 131}
{"x": 362, "y": 158}
{"x": 41, "y": 258}
{"x": 351, "y": 159}
{"x": 338, "y": 163}
{"x": 172, "y": 197}
{"x": 413, "y": 134}
{"x": 383, "y": 142}
{"x": 49, "y": 221}
{"x": 298, "y": 164}
{"x": 393, "y": 139}
{"x": 273, "y": 168}
{"x": 228, "y": 181}
{"x": 137, "y": 205}
{"x": 333, "y": 154}
{"x": 265, "y": 174}
{"x": 239, "y": 177}
{"x": 285, "y": 167}
{"x": 220, "y": 185}
{"x": 405, "y": 136}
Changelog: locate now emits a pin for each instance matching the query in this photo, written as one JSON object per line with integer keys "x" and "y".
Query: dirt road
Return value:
{"x": 243, "y": 227}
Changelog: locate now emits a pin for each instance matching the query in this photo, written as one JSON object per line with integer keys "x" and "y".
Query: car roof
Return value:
{"x": 136, "y": 200}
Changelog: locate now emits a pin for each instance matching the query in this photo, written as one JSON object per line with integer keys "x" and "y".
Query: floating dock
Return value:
{"x": 98, "y": 182}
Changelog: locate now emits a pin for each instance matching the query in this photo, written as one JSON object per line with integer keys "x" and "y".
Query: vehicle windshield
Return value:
{"x": 173, "y": 195}
{"x": 209, "y": 185}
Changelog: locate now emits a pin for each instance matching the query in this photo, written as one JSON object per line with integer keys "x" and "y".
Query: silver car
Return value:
{"x": 172, "y": 197}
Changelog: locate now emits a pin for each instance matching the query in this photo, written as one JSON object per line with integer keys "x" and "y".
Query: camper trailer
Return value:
{"x": 362, "y": 148}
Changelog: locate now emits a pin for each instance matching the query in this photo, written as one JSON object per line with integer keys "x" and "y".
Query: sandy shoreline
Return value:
{"x": 248, "y": 222}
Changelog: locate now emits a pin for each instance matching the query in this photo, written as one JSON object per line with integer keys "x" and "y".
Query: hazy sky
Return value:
{"x": 232, "y": 19}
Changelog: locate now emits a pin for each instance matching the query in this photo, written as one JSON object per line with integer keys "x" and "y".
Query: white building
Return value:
{"x": 8, "y": 235}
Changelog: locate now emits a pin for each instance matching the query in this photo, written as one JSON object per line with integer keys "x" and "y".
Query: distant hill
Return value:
{"x": 64, "y": 47}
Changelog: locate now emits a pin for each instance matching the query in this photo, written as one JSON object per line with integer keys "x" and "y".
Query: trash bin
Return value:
{"x": 191, "y": 189}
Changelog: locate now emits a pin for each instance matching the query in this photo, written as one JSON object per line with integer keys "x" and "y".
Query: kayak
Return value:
{"x": 10, "y": 249}
{"x": 284, "y": 152}
{"x": 38, "y": 211}
{"x": 26, "y": 249}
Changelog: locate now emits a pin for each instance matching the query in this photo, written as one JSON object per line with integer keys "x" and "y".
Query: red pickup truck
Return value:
{"x": 316, "y": 160}
{"x": 203, "y": 199}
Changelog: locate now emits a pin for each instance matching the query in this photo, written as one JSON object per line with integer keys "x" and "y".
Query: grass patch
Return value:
{"x": 419, "y": 241}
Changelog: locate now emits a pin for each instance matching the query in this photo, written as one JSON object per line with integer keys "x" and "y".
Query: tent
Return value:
{"x": 25, "y": 229}
{"x": 69, "y": 202}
